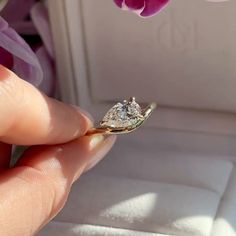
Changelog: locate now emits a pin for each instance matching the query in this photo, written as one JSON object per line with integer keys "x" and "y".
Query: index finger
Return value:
{"x": 28, "y": 117}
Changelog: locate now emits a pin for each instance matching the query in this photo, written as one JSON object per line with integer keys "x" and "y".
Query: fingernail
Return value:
{"x": 87, "y": 115}
{"x": 95, "y": 141}
{"x": 101, "y": 145}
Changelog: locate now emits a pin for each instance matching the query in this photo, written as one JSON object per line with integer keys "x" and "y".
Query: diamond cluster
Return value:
{"x": 123, "y": 115}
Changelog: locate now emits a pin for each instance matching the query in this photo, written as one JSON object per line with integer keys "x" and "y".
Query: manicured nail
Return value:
{"x": 101, "y": 145}
{"x": 87, "y": 115}
{"x": 95, "y": 141}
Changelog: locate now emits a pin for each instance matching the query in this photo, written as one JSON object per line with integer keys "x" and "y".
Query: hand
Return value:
{"x": 35, "y": 190}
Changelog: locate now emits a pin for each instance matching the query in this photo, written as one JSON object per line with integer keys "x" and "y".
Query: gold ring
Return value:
{"x": 123, "y": 118}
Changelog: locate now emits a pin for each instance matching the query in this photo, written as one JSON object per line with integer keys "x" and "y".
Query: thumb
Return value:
{"x": 36, "y": 189}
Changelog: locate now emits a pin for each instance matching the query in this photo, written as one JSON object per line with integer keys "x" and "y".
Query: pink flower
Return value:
{"x": 144, "y": 8}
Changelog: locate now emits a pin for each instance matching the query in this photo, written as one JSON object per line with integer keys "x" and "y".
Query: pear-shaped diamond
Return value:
{"x": 123, "y": 115}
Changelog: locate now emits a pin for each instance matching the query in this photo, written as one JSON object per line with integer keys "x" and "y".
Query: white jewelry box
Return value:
{"x": 176, "y": 175}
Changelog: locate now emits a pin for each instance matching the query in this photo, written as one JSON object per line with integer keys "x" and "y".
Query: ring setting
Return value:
{"x": 124, "y": 117}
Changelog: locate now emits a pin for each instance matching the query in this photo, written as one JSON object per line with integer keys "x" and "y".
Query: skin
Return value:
{"x": 36, "y": 189}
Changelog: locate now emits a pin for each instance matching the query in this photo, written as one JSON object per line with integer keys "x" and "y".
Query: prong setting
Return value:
{"x": 124, "y": 117}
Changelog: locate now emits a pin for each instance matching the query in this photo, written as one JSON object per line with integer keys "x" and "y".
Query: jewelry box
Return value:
{"x": 176, "y": 175}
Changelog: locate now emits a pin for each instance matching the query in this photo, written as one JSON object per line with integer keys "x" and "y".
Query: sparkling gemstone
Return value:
{"x": 122, "y": 115}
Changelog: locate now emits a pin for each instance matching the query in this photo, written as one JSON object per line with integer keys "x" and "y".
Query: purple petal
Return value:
{"x": 24, "y": 27}
{"x": 26, "y": 64}
{"x": 17, "y": 10}
{"x": 49, "y": 83}
{"x": 152, "y": 7}
{"x": 135, "y": 4}
{"x": 39, "y": 15}
{"x": 119, "y": 3}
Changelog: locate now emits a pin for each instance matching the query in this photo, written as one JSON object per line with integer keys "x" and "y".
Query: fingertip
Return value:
{"x": 66, "y": 122}
{"x": 101, "y": 150}
{"x": 84, "y": 121}
{"x": 89, "y": 121}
